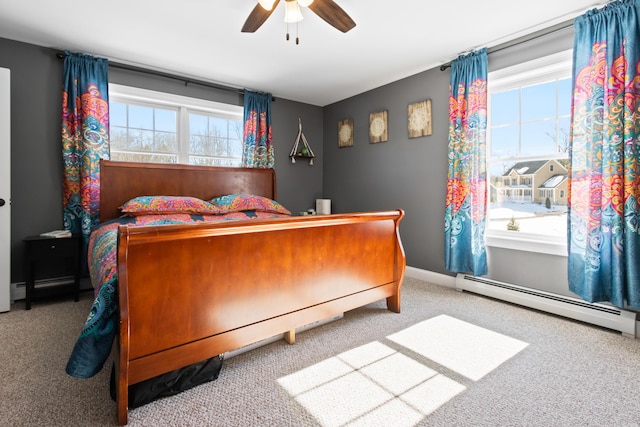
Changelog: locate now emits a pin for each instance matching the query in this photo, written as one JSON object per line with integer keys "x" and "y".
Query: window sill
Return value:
{"x": 527, "y": 243}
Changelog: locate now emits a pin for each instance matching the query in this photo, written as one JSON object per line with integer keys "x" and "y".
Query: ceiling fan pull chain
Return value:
{"x": 287, "y": 24}
{"x": 297, "y": 39}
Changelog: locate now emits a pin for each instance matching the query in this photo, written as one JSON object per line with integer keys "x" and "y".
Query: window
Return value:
{"x": 148, "y": 126}
{"x": 528, "y": 135}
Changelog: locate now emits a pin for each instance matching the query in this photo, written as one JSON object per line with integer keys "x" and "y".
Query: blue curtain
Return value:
{"x": 466, "y": 203}
{"x": 604, "y": 211}
{"x": 85, "y": 140}
{"x": 257, "y": 140}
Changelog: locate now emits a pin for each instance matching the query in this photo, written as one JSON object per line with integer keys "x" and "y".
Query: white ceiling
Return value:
{"x": 201, "y": 39}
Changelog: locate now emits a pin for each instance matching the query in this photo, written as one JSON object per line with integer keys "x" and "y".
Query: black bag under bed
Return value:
{"x": 170, "y": 383}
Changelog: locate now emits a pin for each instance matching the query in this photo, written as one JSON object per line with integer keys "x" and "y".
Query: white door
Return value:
{"x": 5, "y": 191}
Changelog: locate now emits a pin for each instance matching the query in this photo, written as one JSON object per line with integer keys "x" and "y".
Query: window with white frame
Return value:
{"x": 527, "y": 152}
{"x": 149, "y": 126}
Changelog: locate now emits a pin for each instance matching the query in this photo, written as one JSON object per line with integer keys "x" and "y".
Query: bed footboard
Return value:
{"x": 190, "y": 292}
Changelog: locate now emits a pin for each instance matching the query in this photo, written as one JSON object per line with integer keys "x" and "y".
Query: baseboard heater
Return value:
{"x": 598, "y": 314}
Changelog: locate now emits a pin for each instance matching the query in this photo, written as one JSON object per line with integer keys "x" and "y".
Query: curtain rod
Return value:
{"x": 537, "y": 34}
{"x": 524, "y": 39}
{"x": 62, "y": 55}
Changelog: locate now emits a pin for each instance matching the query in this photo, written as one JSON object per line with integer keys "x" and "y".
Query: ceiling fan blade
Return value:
{"x": 257, "y": 17}
{"x": 333, "y": 14}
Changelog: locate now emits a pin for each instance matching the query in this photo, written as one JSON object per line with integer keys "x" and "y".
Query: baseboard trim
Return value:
{"x": 431, "y": 277}
{"x": 18, "y": 290}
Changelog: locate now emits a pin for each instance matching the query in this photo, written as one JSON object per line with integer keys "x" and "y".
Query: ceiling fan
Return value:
{"x": 328, "y": 10}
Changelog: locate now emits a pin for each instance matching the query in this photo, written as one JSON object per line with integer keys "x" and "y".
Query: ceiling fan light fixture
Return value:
{"x": 292, "y": 12}
{"x": 267, "y": 4}
{"x": 327, "y": 10}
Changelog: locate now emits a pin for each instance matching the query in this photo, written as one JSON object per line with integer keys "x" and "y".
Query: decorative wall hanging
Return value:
{"x": 345, "y": 133}
{"x": 301, "y": 151}
{"x": 378, "y": 127}
{"x": 419, "y": 119}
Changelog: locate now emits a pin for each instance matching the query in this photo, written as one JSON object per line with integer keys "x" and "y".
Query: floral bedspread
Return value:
{"x": 94, "y": 344}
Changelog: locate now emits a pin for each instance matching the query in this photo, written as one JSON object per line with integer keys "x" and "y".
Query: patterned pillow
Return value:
{"x": 144, "y": 205}
{"x": 248, "y": 202}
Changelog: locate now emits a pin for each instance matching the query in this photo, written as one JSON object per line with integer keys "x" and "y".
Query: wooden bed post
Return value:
{"x": 122, "y": 389}
{"x": 290, "y": 336}
{"x": 121, "y": 357}
{"x": 393, "y": 302}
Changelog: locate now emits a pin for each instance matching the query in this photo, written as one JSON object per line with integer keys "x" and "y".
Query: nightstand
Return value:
{"x": 65, "y": 250}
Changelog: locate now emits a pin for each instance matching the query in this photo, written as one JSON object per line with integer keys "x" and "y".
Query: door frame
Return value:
{"x": 5, "y": 189}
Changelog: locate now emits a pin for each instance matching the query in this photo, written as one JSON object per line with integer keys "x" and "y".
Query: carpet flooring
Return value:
{"x": 450, "y": 358}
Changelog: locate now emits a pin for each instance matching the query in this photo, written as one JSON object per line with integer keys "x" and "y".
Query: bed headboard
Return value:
{"x": 122, "y": 181}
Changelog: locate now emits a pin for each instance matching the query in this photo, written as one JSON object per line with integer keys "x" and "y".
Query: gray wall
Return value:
{"x": 36, "y": 156}
{"x": 36, "y": 160}
{"x": 412, "y": 173}
{"x": 402, "y": 173}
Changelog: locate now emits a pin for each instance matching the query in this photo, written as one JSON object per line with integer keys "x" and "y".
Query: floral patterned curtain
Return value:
{"x": 257, "y": 140}
{"x": 85, "y": 140}
{"x": 604, "y": 211}
{"x": 466, "y": 203}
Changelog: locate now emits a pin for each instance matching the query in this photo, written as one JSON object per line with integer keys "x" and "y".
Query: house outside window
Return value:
{"x": 527, "y": 154}
{"x": 149, "y": 126}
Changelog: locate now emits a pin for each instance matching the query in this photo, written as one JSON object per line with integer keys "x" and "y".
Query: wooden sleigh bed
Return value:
{"x": 189, "y": 292}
